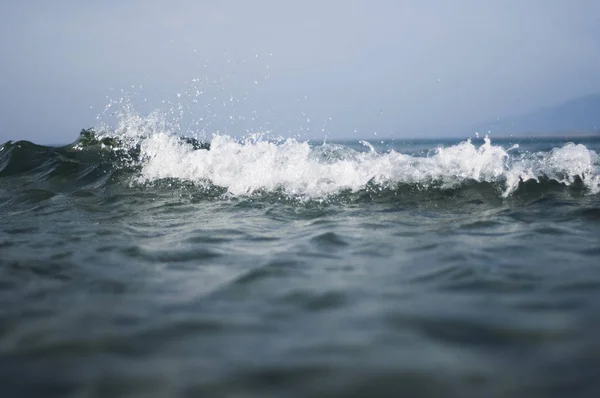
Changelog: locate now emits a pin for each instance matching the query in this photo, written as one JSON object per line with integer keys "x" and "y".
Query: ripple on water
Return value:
{"x": 316, "y": 301}
{"x": 488, "y": 332}
{"x": 274, "y": 269}
{"x": 589, "y": 214}
{"x": 32, "y": 196}
{"x": 183, "y": 254}
{"x": 329, "y": 240}
{"x": 478, "y": 278}
{"x": 57, "y": 270}
{"x": 21, "y": 230}
{"x": 592, "y": 251}
{"x": 480, "y": 225}
{"x": 316, "y": 379}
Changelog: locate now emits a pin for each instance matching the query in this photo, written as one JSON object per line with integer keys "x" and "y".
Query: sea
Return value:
{"x": 136, "y": 262}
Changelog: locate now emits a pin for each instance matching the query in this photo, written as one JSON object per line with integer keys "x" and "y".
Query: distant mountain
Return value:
{"x": 580, "y": 116}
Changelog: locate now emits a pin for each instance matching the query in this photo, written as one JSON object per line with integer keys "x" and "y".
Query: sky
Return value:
{"x": 311, "y": 69}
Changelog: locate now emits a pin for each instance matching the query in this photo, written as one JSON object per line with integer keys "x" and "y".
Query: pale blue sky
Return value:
{"x": 345, "y": 68}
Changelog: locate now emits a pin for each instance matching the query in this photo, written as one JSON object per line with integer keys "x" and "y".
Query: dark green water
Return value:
{"x": 151, "y": 268}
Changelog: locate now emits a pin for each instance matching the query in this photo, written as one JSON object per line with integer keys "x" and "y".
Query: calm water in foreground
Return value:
{"x": 145, "y": 267}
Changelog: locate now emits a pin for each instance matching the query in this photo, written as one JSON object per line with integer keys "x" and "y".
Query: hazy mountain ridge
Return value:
{"x": 579, "y": 116}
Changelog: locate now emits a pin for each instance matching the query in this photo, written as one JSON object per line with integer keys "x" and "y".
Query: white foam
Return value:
{"x": 254, "y": 164}
{"x": 563, "y": 165}
{"x": 296, "y": 168}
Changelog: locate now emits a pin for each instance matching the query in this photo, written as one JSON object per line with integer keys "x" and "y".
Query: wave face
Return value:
{"x": 302, "y": 170}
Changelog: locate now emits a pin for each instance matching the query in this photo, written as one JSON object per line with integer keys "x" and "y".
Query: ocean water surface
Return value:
{"x": 140, "y": 263}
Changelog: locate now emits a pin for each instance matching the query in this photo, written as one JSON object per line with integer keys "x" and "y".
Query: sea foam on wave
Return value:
{"x": 247, "y": 166}
{"x": 297, "y": 168}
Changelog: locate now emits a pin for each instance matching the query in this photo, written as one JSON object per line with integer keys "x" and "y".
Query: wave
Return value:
{"x": 295, "y": 169}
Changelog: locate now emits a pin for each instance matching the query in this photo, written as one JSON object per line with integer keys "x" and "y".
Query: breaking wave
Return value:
{"x": 143, "y": 156}
{"x": 300, "y": 169}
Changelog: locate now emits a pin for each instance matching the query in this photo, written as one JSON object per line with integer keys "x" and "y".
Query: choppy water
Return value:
{"x": 146, "y": 265}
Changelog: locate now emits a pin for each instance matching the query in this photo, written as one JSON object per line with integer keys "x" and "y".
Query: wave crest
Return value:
{"x": 300, "y": 169}
{"x": 297, "y": 169}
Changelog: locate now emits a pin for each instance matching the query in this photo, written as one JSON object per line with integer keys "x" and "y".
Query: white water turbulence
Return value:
{"x": 303, "y": 170}
{"x": 245, "y": 167}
